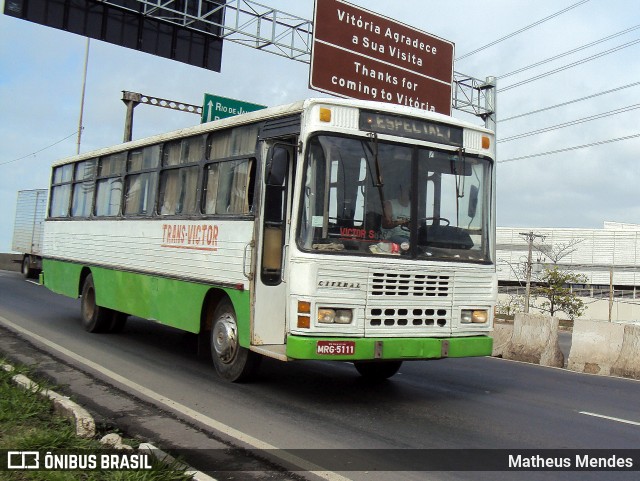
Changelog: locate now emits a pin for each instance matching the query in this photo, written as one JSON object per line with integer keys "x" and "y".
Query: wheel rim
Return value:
{"x": 225, "y": 338}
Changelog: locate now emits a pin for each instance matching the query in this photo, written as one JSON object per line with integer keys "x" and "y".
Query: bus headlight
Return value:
{"x": 474, "y": 316}
{"x": 327, "y": 315}
{"x": 344, "y": 316}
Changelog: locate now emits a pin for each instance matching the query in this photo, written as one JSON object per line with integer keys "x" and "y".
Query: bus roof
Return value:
{"x": 267, "y": 113}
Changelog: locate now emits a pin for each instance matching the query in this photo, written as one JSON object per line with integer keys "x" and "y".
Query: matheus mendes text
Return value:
{"x": 190, "y": 236}
{"x": 580, "y": 461}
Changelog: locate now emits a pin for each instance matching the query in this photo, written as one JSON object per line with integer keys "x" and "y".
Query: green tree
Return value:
{"x": 554, "y": 289}
{"x": 510, "y": 305}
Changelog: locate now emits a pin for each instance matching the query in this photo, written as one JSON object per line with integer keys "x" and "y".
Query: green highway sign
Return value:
{"x": 215, "y": 107}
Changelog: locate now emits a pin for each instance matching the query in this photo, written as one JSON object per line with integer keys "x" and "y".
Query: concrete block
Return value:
{"x": 84, "y": 423}
{"x": 595, "y": 346}
{"x": 502, "y": 332}
{"x": 535, "y": 340}
{"x": 628, "y": 362}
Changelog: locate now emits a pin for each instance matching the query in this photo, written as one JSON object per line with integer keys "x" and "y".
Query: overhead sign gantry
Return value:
{"x": 247, "y": 22}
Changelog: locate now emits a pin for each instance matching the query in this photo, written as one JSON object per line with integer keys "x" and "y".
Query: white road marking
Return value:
{"x": 181, "y": 408}
{"x": 626, "y": 421}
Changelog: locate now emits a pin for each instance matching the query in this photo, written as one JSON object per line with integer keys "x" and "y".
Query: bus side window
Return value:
{"x": 61, "y": 191}
{"x": 178, "y": 189}
{"x": 109, "y": 184}
{"x": 275, "y": 202}
{"x": 141, "y": 180}
{"x": 228, "y": 187}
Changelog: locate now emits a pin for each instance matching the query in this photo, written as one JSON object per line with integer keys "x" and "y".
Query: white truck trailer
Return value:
{"x": 31, "y": 209}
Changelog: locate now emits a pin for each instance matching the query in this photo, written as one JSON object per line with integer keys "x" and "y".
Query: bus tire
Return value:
{"x": 233, "y": 362}
{"x": 377, "y": 370}
{"x": 94, "y": 317}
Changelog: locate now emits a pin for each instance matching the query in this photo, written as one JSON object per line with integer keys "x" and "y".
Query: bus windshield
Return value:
{"x": 362, "y": 196}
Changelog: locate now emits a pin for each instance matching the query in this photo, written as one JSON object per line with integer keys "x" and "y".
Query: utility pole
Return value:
{"x": 529, "y": 237}
{"x": 610, "y": 291}
{"x": 84, "y": 88}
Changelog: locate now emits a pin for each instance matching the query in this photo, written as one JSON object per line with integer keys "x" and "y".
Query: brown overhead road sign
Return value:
{"x": 360, "y": 54}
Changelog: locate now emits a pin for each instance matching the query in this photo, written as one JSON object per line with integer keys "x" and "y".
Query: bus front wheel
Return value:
{"x": 377, "y": 370}
{"x": 94, "y": 317}
{"x": 232, "y": 361}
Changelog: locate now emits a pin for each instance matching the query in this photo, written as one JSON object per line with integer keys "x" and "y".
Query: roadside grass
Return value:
{"x": 28, "y": 423}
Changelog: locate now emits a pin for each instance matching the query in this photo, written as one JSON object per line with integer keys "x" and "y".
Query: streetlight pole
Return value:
{"x": 84, "y": 88}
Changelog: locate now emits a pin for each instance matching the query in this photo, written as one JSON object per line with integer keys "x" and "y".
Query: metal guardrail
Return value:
{"x": 594, "y": 293}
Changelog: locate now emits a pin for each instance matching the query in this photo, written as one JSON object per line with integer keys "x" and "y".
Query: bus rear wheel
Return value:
{"x": 377, "y": 370}
{"x": 233, "y": 362}
{"x": 94, "y": 317}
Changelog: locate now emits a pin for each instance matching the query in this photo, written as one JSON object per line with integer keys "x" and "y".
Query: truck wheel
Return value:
{"x": 27, "y": 271}
{"x": 377, "y": 370}
{"x": 233, "y": 362}
{"x": 94, "y": 317}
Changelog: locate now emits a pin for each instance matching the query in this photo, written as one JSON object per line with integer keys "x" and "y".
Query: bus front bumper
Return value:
{"x": 356, "y": 349}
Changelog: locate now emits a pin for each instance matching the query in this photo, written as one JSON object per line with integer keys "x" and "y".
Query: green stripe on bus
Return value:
{"x": 300, "y": 347}
{"x": 173, "y": 302}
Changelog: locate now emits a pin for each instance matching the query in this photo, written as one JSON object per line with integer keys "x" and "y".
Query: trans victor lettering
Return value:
{"x": 192, "y": 236}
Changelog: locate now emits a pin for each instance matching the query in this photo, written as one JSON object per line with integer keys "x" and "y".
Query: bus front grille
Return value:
{"x": 410, "y": 318}
{"x": 398, "y": 285}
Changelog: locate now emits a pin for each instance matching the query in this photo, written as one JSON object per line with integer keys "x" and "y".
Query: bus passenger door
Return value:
{"x": 270, "y": 300}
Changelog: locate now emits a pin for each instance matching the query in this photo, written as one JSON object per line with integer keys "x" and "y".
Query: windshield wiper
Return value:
{"x": 372, "y": 147}
{"x": 374, "y": 142}
{"x": 459, "y": 181}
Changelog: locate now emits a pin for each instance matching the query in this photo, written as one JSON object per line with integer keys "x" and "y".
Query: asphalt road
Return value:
{"x": 477, "y": 403}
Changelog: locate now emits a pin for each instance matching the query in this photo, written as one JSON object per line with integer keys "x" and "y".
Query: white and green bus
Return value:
{"x": 272, "y": 234}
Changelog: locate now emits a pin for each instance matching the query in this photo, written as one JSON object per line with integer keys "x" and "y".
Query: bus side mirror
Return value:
{"x": 276, "y": 168}
{"x": 473, "y": 201}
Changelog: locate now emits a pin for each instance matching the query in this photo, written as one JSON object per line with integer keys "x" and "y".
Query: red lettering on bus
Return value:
{"x": 353, "y": 232}
{"x": 186, "y": 236}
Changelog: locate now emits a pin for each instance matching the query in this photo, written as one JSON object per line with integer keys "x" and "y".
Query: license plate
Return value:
{"x": 336, "y": 348}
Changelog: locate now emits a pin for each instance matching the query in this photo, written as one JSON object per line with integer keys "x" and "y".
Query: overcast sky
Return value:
{"x": 41, "y": 78}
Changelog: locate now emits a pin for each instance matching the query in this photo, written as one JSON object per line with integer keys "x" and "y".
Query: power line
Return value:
{"x": 568, "y": 66}
{"x": 570, "y": 102}
{"x": 569, "y": 52}
{"x": 38, "y": 151}
{"x": 569, "y": 124}
{"x": 567, "y": 149}
{"x": 521, "y": 30}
